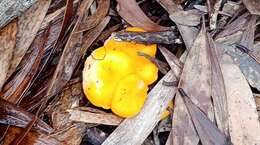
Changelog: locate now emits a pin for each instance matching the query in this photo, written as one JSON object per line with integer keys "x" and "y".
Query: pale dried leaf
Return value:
{"x": 7, "y": 43}
{"x": 253, "y": 6}
{"x": 188, "y": 18}
{"x": 10, "y": 9}
{"x": 244, "y": 126}
{"x": 28, "y": 25}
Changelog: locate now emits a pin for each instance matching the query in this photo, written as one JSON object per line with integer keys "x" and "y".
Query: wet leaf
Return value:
{"x": 28, "y": 25}
{"x": 133, "y": 14}
{"x": 7, "y": 43}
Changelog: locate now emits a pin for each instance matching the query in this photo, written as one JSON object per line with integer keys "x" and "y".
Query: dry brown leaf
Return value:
{"x": 93, "y": 20}
{"x": 70, "y": 56}
{"x": 133, "y": 14}
{"x": 244, "y": 125}
{"x": 133, "y": 131}
{"x": 196, "y": 81}
{"x": 89, "y": 116}
{"x": 253, "y": 6}
{"x": 218, "y": 92}
{"x": 28, "y": 25}
{"x": 33, "y": 138}
{"x": 207, "y": 130}
{"x": 7, "y": 43}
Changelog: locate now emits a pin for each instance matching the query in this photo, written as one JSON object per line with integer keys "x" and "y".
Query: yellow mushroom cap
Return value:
{"x": 129, "y": 96}
{"x": 115, "y": 77}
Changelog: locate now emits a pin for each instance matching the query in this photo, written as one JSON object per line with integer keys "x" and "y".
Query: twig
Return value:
{"x": 164, "y": 37}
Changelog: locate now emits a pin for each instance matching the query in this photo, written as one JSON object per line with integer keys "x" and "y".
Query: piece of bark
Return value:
{"x": 253, "y": 6}
{"x": 87, "y": 116}
{"x": 10, "y": 9}
{"x": 164, "y": 37}
{"x": 28, "y": 25}
{"x": 131, "y": 12}
{"x": 7, "y": 43}
{"x": 244, "y": 125}
{"x": 133, "y": 131}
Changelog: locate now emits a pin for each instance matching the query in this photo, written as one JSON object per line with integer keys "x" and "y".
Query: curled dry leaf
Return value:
{"x": 244, "y": 125}
{"x": 28, "y": 25}
{"x": 93, "y": 20}
{"x": 253, "y": 6}
{"x": 7, "y": 43}
{"x": 133, "y": 14}
{"x": 16, "y": 116}
{"x": 10, "y": 9}
{"x": 157, "y": 101}
{"x": 14, "y": 90}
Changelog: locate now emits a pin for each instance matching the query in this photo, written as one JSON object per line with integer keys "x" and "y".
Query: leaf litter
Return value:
{"x": 214, "y": 84}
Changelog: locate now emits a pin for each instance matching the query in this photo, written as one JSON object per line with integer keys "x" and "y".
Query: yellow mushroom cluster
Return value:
{"x": 115, "y": 77}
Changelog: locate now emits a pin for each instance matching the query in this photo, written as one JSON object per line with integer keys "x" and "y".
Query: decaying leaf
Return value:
{"x": 196, "y": 73}
{"x": 93, "y": 20}
{"x": 133, "y": 14}
{"x": 158, "y": 99}
{"x": 213, "y": 9}
{"x": 32, "y": 138}
{"x": 253, "y": 6}
{"x": 28, "y": 25}
{"x": 14, "y": 90}
{"x": 232, "y": 33}
{"x": 16, "y": 116}
{"x": 218, "y": 91}
{"x": 244, "y": 125}
{"x": 7, "y": 43}
{"x": 187, "y": 18}
{"x": 10, "y": 9}
{"x": 208, "y": 132}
